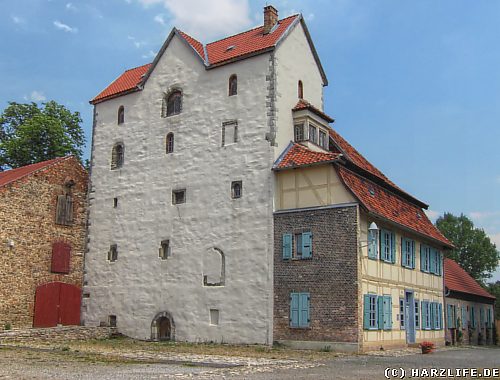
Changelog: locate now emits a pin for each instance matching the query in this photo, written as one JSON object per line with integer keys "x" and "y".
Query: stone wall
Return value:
{"x": 27, "y": 217}
{"x": 330, "y": 276}
{"x": 56, "y": 334}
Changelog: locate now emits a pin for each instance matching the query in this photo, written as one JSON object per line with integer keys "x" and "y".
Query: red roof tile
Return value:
{"x": 249, "y": 42}
{"x": 125, "y": 83}
{"x": 305, "y": 105}
{"x": 197, "y": 45}
{"x": 458, "y": 280}
{"x": 297, "y": 155}
{"x": 352, "y": 155}
{"x": 382, "y": 202}
{"x": 12, "y": 175}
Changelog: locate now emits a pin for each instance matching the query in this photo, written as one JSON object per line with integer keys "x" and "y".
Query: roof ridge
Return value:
{"x": 249, "y": 30}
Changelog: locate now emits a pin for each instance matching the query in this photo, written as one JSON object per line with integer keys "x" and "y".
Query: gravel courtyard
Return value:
{"x": 127, "y": 359}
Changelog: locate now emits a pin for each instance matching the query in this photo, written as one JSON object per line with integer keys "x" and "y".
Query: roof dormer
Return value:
{"x": 311, "y": 126}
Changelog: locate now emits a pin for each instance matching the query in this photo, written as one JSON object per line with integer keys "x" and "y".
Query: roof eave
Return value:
{"x": 117, "y": 95}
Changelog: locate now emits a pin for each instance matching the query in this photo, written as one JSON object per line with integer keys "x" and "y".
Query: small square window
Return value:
{"x": 236, "y": 189}
{"x": 164, "y": 249}
{"x": 112, "y": 320}
{"x": 178, "y": 196}
{"x": 214, "y": 317}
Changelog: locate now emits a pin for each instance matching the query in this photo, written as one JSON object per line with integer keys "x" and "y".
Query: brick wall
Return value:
{"x": 330, "y": 276}
{"x": 27, "y": 217}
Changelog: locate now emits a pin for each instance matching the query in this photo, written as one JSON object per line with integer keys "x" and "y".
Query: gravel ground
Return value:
{"x": 62, "y": 363}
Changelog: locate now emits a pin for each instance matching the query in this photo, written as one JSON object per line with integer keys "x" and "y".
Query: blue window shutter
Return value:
{"x": 380, "y": 312}
{"x": 393, "y": 247}
{"x": 387, "y": 313}
{"x": 413, "y": 254}
{"x": 440, "y": 311}
{"x": 294, "y": 309}
{"x": 372, "y": 245}
{"x": 433, "y": 313}
{"x": 432, "y": 261}
{"x": 306, "y": 245}
{"x": 382, "y": 244}
{"x": 464, "y": 317}
{"x": 422, "y": 257}
{"x": 366, "y": 312}
{"x": 424, "y": 315}
{"x": 287, "y": 246}
{"x": 449, "y": 318}
{"x": 304, "y": 319}
{"x": 404, "y": 262}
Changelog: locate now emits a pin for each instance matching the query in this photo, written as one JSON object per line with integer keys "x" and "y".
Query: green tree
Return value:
{"x": 30, "y": 133}
{"x": 473, "y": 249}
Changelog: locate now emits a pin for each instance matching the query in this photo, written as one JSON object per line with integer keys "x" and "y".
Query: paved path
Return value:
{"x": 21, "y": 364}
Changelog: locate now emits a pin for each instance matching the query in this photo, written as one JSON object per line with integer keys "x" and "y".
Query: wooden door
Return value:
{"x": 57, "y": 303}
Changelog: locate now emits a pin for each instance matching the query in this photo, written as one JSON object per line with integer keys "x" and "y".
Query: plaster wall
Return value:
{"x": 294, "y": 62}
{"x": 310, "y": 187}
{"x": 139, "y": 285}
{"x": 381, "y": 278}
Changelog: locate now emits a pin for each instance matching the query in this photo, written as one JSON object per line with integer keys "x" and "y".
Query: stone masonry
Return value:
{"x": 330, "y": 276}
{"x": 27, "y": 218}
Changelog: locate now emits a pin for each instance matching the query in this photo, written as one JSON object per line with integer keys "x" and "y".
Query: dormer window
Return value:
{"x": 323, "y": 141}
{"x": 313, "y": 134}
{"x": 300, "y": 90}
{"x": 298, "y": 132}
{"x": 233, "y": 85}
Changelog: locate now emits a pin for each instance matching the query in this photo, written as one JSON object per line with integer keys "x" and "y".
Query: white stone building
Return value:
{"x": 180, "y": 239}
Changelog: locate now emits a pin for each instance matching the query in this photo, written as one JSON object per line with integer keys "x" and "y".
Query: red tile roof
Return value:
{"x": 384, "y": 203}
{"x": 196, "y": 45}
{"x": 297, "y": 155}
{"x": 125, "y": 83}
{"x": 249, "y": 42}
{"x": 12, "y": 175}
{"x": 305, "y": 105}
{"x": 458, "y": 280}
{"x": 352, "y": 155}
{"x": 216, "y": 53}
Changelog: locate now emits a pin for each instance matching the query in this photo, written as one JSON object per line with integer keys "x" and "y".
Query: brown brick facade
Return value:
{"x": 27, "y": 218}
{"x": 330, "y": 276}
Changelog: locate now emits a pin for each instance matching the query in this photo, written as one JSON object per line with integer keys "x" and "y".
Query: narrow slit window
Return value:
{"x": 115, "y": 202}
{"x": 121, "y": 115}
{"x": 113, "y": 253}
{"x": 233, "y": 85}
{"x": 236, "y": 189}
{"x": 300, "y": 90}
{"x": 112, "y": 320}
{"x": 117, "y": 156}
{"x": 170, "y": 143}
{"x": 164, "y": 252}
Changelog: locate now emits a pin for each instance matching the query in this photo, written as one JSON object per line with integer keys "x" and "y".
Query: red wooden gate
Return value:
{"x": 57, "y": 303}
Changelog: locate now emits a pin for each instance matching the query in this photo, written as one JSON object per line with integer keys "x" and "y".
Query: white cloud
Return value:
{"x": 71, "y": 7}
{"x": 159, "y": 19}
{"x": 66, "y": 28}
{"x": 17, "y": 20}
{"x": 432, "y": 214}
{"x": 207, "y": 20}
{"x": 36, "y": 96}
{"x": 310, "y": 17}
{"x": 495, "y": 238}
{"x": 150, "y": 55}
{"x": 479, "y": 215}
{"x": 136, "y": 43}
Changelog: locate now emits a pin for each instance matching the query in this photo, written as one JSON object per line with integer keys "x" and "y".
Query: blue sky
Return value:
{"x": 414, "y": 85}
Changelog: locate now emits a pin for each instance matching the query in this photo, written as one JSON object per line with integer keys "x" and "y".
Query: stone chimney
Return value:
{"x": 270, "y": 18}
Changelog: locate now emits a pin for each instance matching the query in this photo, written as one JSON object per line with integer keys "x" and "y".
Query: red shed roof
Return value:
{"x": 384, "y": 203}
{"x": 12, "y": 175}
{"x": 305, "y": 105}
{"x": 458, "y": 280}
{"x": 297, "y": 155}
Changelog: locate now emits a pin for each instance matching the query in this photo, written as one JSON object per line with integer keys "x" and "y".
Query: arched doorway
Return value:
{"x": 162, "y": 327}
